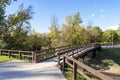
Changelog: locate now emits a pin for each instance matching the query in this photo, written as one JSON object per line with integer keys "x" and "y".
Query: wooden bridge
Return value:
{"x": 66, "y": 55}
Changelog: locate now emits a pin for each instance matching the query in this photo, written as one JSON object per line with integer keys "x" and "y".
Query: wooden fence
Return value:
{"x": 36, "y": 56}
{"x": 52, "y": 52}
{"x": 76, "y": 52}
{"x": 28, "y": 55}
{"x": 81, "y": 68}
{"x": 69, "y": 57}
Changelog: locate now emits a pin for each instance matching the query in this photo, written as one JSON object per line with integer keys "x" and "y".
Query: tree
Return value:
{"x": 54, "y": 32}
{"x": 3, "y": 5}
{"x": 80, "y": 36}
{"x": 66, "y": 34}
{"x": 69, "y": 20}
{"x": 17, "y": 27}
{"x": 77, "y": 19}
{"x": 96, "y": 34}
{"x": 71, "y": 32}
{"x": 110, "y": 36}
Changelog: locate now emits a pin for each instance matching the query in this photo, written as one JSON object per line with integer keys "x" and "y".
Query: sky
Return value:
{"x": 103, "y": 13}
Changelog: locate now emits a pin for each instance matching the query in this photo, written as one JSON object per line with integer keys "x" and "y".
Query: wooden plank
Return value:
{"x": 92, "y": 71}
{"x": 0, "y": 52}
{"x": 63, "y": 67}
{"x": 12, "y": 54}
{"x": 26, "y": 55}
{"x": 74, "y": 71}
{"x": 79, "y": 71}
{"x": 58, "y": 59}
{"x": 5, "y": 53}
{"x": 84, "y": 75}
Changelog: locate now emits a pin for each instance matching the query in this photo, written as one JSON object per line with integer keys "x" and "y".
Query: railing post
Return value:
{"x": 20, "y": 56}
{"x": 58, "y": 50}
{"x": 45, "y": 53}
{"x": 53, "y": 52}
{"x": 0, "y": 52}
{"x": 72, "y": 53}
{"x": 34, "y": 57}
{"x": 9, "y": 53}
{"x": 63, "y": 67}
{"x": 58, "y": 59}
{"x": 74, "y": 71}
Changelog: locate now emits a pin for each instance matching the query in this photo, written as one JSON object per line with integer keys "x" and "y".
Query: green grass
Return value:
{"x": 5, "y": 58}
{"x": 104, "y": 59}
{"x": 69, "y": 75}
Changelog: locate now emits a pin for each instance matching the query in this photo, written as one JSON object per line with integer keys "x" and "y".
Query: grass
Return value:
{"x": 5, "y": 58}
{"x": 107, "y": 60}
{"x": 69, "y": 75}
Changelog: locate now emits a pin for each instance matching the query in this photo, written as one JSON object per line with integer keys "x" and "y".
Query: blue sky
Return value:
{"x": 104, "y": 13}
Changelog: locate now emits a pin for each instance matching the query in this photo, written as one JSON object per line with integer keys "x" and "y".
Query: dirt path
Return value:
{"x": 20, "y": 70}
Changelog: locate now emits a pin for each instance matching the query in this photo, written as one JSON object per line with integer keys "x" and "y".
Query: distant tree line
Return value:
{"x": 16, "y": 33}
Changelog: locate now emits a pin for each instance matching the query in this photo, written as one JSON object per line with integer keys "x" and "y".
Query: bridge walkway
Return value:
{"x": 20, "y": 70}
{"x": 46, "y": 70}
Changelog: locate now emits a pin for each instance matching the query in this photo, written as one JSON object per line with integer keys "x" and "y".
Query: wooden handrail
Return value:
{"x": 36, "y": 55}
{"x": 19, "y": 53}
{"x": 85, "y": 67}
{"x": 68, "y": 57}
{"x": 42, "y": 54}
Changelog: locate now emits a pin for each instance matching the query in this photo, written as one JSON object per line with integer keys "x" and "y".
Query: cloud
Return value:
{"x": 115, "y": 27}
{"x": 92, "y": 14}
{"x": 101, "y": 10}
{"x": 103, "y": 16}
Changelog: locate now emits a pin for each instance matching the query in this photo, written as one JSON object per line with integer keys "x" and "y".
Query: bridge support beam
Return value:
{"x": 93, "y": 54}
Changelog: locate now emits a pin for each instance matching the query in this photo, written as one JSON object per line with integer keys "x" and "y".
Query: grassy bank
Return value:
{"x": 69, "y": 75}
{"x": 5, "y": 58}
{"x": 106, "y": 60}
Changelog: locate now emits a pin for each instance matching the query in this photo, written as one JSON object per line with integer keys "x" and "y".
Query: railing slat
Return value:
{"x": 92, "y": 71}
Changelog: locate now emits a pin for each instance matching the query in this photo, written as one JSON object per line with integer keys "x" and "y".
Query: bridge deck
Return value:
{"x": 19, "y": 70}
{"x": 46, "y": 70}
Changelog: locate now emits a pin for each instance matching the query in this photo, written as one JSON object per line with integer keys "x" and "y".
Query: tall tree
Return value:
{"x": 3, "y": 5}
{"x": 96, "y": 34}
{"x": 54, "y": 32}
{"x": 17, "y": 27}
{"x": 77, "y": 19}
{"x": 110, "y": 36}
{"x": 69, "y": 20}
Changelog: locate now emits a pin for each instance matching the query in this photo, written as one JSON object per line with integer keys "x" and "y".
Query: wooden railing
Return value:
{"x": 81, "y": 68}
{"x": 76, "y": 52}
{"x": 52, "y": 52}
{"x": 18, "y": 54}
{"x": 35, "y": 56}
{"x": 69, "y": 57}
